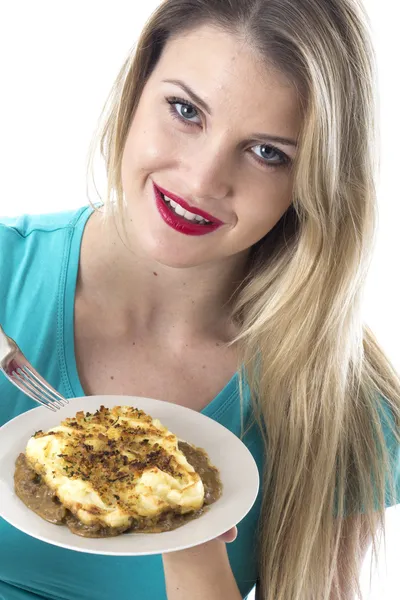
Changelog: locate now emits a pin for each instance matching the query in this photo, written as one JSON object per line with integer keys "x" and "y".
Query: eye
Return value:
{"x": 186, "y": 113}
{"x": 183, "y": 110}
{"x": 264, "y": 152}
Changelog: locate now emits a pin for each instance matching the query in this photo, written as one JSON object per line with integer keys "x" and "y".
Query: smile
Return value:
{"x": 186, "y": 214}
{"x": 183, "y": 218}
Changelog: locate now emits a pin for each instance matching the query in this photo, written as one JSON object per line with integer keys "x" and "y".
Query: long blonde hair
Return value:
{"x": 318, "y": 378}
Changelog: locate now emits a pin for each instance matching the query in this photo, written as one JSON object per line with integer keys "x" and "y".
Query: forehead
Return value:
{"x": 230, "y": 76}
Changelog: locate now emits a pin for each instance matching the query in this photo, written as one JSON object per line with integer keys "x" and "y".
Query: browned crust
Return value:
{"x": 112, "y": 465}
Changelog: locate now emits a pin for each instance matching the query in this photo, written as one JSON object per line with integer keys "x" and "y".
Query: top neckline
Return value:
{"x": 73, "y": 385}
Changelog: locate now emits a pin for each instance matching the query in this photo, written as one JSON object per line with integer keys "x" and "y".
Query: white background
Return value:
{"x": 57, "y": 63}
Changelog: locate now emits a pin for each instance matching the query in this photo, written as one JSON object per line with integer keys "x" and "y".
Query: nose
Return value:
{"x": 210, "y": 172}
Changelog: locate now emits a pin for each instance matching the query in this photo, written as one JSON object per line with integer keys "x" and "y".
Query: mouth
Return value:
{"x": 179, "y": 215}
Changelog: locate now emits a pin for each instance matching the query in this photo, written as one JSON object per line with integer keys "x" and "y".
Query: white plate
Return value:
{"x": 238, "y": 470}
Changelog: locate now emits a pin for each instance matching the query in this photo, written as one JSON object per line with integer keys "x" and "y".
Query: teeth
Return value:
{"x": 177, "y": 208}
{"x": 190, "y": 216}
{"x": 172, "y": 202}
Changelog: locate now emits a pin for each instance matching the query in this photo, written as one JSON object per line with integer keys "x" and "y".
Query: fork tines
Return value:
{"x": 37, "y": 389}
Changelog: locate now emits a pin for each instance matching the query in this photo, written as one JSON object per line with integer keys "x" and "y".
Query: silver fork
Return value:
{"x": 21, "y": 373}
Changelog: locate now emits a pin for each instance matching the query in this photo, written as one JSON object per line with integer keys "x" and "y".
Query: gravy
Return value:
{"x": 37, "y": 496}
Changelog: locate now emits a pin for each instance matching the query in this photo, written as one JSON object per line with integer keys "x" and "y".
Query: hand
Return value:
{"x": 229, "y": 536}
{"x": 201, "y": 571}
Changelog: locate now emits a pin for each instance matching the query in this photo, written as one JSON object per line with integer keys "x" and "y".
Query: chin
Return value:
{"x": 155, "y": 242}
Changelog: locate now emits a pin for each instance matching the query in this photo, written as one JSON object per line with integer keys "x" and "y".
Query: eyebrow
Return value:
{"x": 200, "y": 102}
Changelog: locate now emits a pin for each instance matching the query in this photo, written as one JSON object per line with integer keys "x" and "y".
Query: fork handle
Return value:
{"x": 7, "y": 346}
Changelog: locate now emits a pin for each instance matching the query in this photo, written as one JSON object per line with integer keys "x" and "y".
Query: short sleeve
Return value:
{"x": 388, "y": 424}
{"x": 393, "y": 447}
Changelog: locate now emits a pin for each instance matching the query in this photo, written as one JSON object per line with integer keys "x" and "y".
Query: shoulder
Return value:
{"x": 26, "y": 225}
{"x": 34, "y": 250}
{"x": 31, "y": 240}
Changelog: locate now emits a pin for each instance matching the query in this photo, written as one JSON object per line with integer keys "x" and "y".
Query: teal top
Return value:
{"x": 39, "y": 257}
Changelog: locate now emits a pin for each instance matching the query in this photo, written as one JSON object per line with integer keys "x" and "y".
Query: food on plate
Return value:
{"x": 114, "y": 471}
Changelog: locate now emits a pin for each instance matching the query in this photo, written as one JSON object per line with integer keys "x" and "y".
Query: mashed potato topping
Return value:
{"x": 115, "y": 465}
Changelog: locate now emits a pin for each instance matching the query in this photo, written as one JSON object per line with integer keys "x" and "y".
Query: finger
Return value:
{"x": 229, "y": 536}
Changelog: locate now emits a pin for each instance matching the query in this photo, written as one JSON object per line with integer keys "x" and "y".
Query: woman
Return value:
{"x": 225, "y": 273}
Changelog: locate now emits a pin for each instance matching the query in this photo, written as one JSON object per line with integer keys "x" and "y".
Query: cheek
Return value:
{"x": 258, "y": 216}
{"x": 150, "y": 145}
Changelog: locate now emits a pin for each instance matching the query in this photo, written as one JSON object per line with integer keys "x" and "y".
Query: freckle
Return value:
{"x": 204, "y": 366}
{"x": 154, "y": 273}
{"x": 112, "y": 377}
{"x": 133, "y": 343}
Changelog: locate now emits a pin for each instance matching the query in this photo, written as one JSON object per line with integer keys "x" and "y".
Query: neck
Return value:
{"x": 140, "y": 292}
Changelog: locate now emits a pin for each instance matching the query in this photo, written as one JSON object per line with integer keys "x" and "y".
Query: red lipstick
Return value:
{"x": 178, "y": 222}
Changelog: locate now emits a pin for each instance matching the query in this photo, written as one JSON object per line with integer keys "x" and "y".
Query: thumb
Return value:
{"x": 229, "y": 536}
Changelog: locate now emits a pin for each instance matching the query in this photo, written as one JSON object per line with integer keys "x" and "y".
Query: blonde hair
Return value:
{"x": 318, "y": 378}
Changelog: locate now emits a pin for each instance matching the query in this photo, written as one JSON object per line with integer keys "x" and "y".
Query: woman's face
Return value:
{"x": 201, "y": 136}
